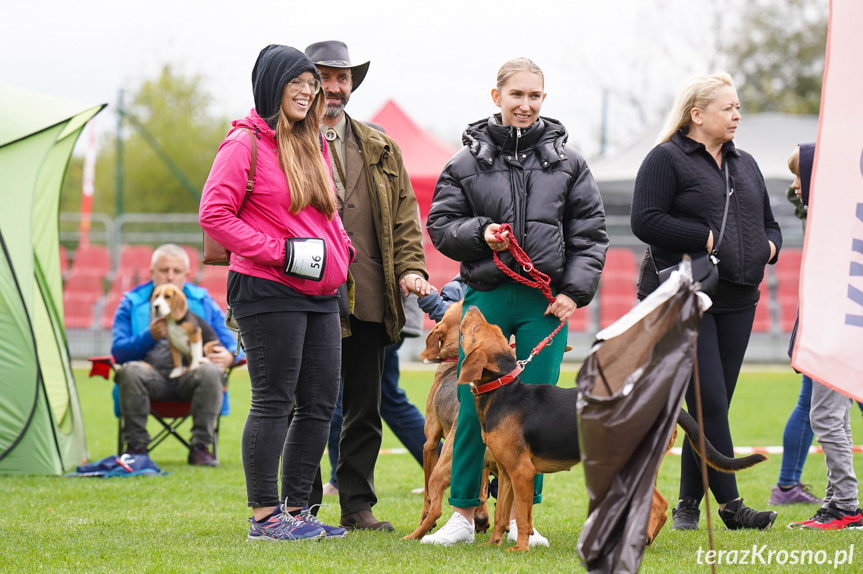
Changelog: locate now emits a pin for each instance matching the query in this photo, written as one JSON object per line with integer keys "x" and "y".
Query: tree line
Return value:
{"x": 775, "y": 53}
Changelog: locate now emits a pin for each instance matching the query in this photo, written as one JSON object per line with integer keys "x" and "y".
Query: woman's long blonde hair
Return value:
{"x": 698, "y": 92}
{"x": 301, "y": 160}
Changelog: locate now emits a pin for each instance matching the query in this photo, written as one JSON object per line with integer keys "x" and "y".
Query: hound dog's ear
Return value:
{"x": 472, "y": 366}
{"x": 179, "y": 307}
{"x": 156, "y": 292}
{"x": 433, "y": 340}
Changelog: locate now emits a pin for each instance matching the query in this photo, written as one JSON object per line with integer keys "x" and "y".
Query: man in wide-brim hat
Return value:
{"x": 334, "y": 54}
{"x": 333, "y": 57}
{"x": 379, "y": 211}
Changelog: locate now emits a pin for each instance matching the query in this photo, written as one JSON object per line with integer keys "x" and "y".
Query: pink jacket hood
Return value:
{"x": 256, "y": 239}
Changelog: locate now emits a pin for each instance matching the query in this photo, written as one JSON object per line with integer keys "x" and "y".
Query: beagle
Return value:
{"x": 184, "y": 328}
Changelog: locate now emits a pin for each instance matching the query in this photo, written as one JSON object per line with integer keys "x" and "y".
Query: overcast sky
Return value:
{"x": 438, "y": 60}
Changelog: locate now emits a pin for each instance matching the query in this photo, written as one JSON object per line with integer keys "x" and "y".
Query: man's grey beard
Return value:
{"x": 334, "y": 111}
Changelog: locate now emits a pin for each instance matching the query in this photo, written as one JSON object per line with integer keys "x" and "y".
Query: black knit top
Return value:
{"x": 679, "y": 198}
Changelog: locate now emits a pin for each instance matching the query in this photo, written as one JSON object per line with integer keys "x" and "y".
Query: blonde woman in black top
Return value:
{"x": 677, "y": 209}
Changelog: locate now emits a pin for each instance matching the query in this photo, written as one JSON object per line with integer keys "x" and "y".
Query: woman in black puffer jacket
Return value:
{"x": 515, "y": 168}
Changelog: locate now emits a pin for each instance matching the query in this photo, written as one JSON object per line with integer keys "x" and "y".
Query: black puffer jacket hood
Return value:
{"x": 530, "y": 179}
{"x": 276, "y": 66}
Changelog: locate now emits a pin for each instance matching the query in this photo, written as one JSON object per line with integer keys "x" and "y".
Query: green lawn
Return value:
{"x": 195, "y": 519}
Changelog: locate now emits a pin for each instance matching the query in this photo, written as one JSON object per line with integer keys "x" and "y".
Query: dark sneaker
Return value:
{"x": 331, "y": 531}
{"x": 834, "y": 518}
{"x": 365, "y": 520}
{"x": 199, "y": 455}
{"x": 737, "y": 515}
{"x": 685, "y": 516}
{"x": 797, "y": 494}
{"x": 135, "y": 448}
{"x": 283, "y": 526}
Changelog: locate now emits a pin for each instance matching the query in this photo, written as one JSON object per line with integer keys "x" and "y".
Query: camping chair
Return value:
{"x": 169, "y": 414}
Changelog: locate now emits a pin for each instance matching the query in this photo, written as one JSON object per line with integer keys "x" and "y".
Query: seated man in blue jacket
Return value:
{"x": 140, "y": 346}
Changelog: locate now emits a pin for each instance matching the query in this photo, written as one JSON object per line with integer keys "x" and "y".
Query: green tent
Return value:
{"x": 41, "y": 429}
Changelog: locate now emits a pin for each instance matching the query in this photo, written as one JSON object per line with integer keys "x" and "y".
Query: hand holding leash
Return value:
{"x": 563, "y": 307}
{"x": 496, "y": 239}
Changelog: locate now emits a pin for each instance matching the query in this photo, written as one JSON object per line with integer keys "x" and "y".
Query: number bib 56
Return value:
{"x": 305, "y": 257}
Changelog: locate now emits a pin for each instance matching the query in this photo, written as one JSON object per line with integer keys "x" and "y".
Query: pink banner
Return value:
{"x": 829, "y": 345}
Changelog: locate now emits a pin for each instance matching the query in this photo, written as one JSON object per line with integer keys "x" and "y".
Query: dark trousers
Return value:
{"x": 362, "y": 362}
{"x": 401, "y": 415}
{"x": 139, "y": 382}
{"x": 721, "y": 346}
{"x": 292, "y": 356}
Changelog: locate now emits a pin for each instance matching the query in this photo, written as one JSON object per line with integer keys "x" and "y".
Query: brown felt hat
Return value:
{"x": 334, "y": 54}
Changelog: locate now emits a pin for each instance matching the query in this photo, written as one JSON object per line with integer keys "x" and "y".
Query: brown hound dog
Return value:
{"x": 441, "y": 417}
{"x": 525, "y": 445}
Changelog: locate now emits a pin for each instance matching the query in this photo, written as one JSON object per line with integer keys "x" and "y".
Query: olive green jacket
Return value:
{"x": 396, "y": 216}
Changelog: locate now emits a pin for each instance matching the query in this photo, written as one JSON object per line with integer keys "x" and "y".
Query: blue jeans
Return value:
{"x": 797, "y": 437}
{"x": 292, "y": 356}
{"x": 401, "y": 415}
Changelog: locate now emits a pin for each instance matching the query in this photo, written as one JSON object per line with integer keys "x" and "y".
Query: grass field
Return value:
{"x": 195, "y": 518}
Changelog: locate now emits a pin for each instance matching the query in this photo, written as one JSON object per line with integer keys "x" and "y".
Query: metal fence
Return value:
{"x": 183, "y": 228}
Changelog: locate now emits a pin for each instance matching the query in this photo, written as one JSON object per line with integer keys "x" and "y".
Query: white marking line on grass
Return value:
{"x": 768, "y": 450}
{"x": 678, "y": 450}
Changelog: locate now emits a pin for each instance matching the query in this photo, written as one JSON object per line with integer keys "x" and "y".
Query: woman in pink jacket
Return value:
{"x": 289, "y": 254}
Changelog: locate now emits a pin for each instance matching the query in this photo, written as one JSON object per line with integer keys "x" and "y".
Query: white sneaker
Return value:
{"x": 535, "y": 539}
{"x": 457, "y": 529}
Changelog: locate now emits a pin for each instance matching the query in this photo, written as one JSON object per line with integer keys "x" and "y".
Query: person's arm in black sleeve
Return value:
{"x": 452, "y": 227}
{"x": 651, "y": 218}
{"x": 586, "y": 239}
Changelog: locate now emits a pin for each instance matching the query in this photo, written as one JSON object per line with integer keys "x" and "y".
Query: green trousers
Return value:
{"x": 518, "y": 310}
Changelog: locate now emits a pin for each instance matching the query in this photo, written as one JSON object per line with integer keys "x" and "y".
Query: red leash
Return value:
{"x": 539, "y": 281}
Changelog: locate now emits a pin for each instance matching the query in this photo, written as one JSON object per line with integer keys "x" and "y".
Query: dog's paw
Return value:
{"x": 176, "y": 372}
{"x": 198, "y": 362}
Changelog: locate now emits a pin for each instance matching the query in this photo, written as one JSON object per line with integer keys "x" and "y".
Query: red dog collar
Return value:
{"x": 497, "y": 383}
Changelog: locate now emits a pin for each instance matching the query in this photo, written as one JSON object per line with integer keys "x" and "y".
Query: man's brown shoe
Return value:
{"x": 199, "y": 455}
{"x": 365, "y": 520}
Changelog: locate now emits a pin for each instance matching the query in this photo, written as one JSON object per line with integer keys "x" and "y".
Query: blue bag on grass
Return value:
{"x": 123, "y": 465}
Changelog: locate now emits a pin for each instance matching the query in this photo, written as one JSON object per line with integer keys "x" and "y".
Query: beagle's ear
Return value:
{"x": 179, "y": 307}
{"x": 472, "y": 366}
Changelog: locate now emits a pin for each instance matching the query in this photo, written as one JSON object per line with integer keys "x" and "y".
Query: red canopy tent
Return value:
{"x": 425, "y": 156}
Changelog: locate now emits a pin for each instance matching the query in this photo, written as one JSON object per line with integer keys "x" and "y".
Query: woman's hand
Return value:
{"x": 710, "y": 242}
{"x": 772, "y": 250}
{"x": 489, "y": 237}
{"x": 562, "y": 308}
{"x": 415, "y": 284}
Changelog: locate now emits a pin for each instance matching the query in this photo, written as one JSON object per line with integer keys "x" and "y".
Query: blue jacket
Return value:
{"x": 436, "y": 305}
{"x": 131, "y": 339}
